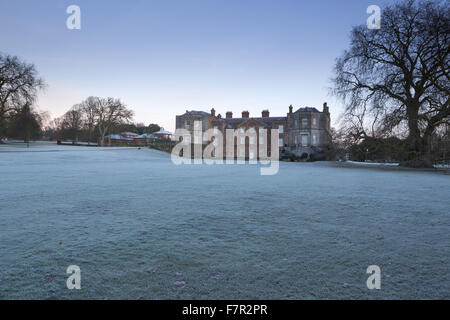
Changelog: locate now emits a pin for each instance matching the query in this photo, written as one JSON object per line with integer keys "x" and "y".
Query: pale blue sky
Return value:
{"x": 164, "y": 57}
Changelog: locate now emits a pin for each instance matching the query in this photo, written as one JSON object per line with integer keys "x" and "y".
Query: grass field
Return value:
{"x": 136, "y": 224}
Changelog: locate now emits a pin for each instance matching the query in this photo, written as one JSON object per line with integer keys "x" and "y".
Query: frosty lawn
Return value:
{"x": 140, "y": 227}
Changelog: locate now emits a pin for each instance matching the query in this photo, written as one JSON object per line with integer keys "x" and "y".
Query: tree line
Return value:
{"x": 19, "y": 84}
{"x": 93, "y": 119}
{"x": 89, "y": 121}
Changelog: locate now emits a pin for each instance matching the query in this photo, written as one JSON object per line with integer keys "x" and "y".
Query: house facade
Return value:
{"x": 306, "y": 130}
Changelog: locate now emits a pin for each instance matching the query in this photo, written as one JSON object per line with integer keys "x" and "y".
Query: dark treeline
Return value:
{"x": 19, "y": 84}
{"x": 89, "y": 121}
{"x": 93, "y": 119}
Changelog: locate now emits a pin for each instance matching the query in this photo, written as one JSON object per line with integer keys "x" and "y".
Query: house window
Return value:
{"x": 280, "y": 142}
{"x": 296, "y": 140}
{"x": 251, "y": 140}
{"x": 296, "y": 123}
{"x": 252, "y": 155}
{"x": 241, "y": 152}
{"x": 242, "y": 140}
{"x": 252, "y": 129}
{"x": 242, "y": 130}
{"x": 314, "y": 121}
{"x": 196, "y": 140}
{"x": 304, "y": 140}
{"x": 281, "y": 129}
{"x": 188, "y": 139}
{"x": 314, "y": 139}
{"x": 187, "y": 123}
{"x": 261, "y": 139}
{"x": 304, "y": 122}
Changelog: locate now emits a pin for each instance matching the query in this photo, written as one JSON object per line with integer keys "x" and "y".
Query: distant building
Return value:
{"x": 162, "y": 134}
{"x": 131, "y": 138}
{"x": 131, "y": 135}
{"x": 186, "y": 121}
{"x": 117, "y": 140}
{"x": 307, "y": 130}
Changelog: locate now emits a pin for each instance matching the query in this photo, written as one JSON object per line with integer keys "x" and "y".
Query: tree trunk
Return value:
{"x": 2, "y": 126}
{"x": 418, "y": 153}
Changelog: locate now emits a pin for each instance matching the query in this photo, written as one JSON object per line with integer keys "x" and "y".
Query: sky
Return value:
{"x": 164, "y": 57}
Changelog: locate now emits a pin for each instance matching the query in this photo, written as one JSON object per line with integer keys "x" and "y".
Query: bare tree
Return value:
{"x": 109, "y": 112}
{"x": 72, "y": 122}
{"x": 89, "y": 107}
{"x": 19, "y": 83}
{"x": 25, "y": 123}
{"x": 401, "y": 71}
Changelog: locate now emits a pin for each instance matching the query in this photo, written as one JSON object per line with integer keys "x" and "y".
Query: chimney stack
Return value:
{"x": 290, "y": 108}
{"x": 326, "y": 109}
{"x": 245, "y": 114}
{"x": 229, "y": 114}
{"x": 213, "y": 112}
{"x": 265, "y": 113}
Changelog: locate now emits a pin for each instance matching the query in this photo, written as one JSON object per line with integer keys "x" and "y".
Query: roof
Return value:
{"x": 266, "y": 121}
{"x": 197, "y": 113}
{"x": 144, "y": 136}
{"x": 129, "y": 134}
{"x": 118, "y": 137}
{"x": 161, "y": 132}
{"x": 307, "y": 109}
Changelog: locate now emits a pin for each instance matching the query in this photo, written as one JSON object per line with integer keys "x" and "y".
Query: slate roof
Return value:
{"x": 118, "y": 137}
{"x": 307, "y": 109}
{"x": 266, "y": 121}
{"x": 129, "y": 134}
{"x": 162, "y": 132}
{"x": 197, "y": 113}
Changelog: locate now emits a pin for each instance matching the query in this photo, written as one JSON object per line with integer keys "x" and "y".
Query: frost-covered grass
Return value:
{"x": 136, "y": 224}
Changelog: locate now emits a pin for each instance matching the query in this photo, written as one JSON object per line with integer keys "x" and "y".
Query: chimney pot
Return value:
{"x": 265, "y": 113}
{"x": 213, "y": 112}
{"x": 229, "y": 115}
{"x": 245, "y": 114}
{"x": 290, "y": 108}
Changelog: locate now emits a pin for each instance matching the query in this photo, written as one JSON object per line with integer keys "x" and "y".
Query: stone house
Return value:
{"x": 306, "y": 130}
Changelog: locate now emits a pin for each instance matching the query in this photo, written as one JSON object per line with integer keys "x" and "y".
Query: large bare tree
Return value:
{"x": 19, "y": 84}
{"x": 72, "y": 122}
{"x": 89, "y": 107}
{"x": 109, "y": 112}
{"x": 400, "y": 72}
{"x": 25, "y": 123}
